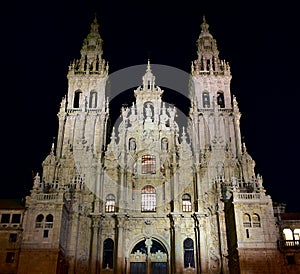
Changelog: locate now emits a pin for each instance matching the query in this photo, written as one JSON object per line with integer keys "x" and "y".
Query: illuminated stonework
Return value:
{"x": 156, "y": 197}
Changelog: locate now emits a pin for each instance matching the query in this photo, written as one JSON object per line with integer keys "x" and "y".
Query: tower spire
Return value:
{"x": 91, "y": 60}
{"x": 208, "y": 54}
{"x": 207, "y": 45}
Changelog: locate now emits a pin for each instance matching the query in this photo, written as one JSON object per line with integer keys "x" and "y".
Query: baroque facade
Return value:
{"x": 147, "y": 195}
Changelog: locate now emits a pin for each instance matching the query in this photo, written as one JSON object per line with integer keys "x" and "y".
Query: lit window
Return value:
{"x": 148, "y": 199}
{"x": 297, "y": 236}
{"x": 148, "y": 164}
{"x": 186, "y": 203}
{"x": 288, "y": 234}
{"x": 110, "y": 203}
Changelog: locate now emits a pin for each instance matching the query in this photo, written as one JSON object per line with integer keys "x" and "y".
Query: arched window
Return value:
{"x": 186, "y": 203}
{"x": 188, "y": 247}
{"x": 220, "y": 99}
{"x": 49, "y": 221}
{"x": 205, "y": 99}
{"x": 148, "y": 199}
{"x": 288, "y": 234}
{"x": 246, "y": 220}
{"x": 255, "y": 220}
{"x": 110, "y": 203}
{"x": 93, "y": 99}
{"x": 108, "y": 254}
{"x": 76, "y": 101}
{"x": 292, "y": 238}
{"x": 288, "y": 237}
{"x": 297, "y": 236}
{"x": 148, "y": 164}
{"x": 39, "y": 221}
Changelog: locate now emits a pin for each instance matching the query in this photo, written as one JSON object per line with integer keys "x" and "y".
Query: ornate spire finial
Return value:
{"x": 244, "y": 147}
{"x": 52, "y": 146}
{"x": 148, "y": 78}
{"x": 204, "y": 25}
{"x": 95, "y": 25}
{"x": 148, "y": 65}
{"x": 183, "y": 136}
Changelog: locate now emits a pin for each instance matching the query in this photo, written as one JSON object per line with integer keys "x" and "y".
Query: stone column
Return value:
{"x": 175, "y": 187}
{"x": 176, "y": 244}
{"x": 120, "y": 263}
{"x": 222, "y": 238}
{"x": 197, "y": 245}
{"x": 148, "y": 244}
{"x": 95, "y": 248}
{"x": 198, "y": 186}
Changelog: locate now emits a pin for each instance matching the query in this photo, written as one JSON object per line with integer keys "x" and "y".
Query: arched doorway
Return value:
{"x": 148, "y": 257}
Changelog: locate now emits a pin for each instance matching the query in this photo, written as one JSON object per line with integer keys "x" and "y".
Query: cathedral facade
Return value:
{"x": 148, "y": 195}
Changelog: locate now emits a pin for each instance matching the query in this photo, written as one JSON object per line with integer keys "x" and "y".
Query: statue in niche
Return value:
{"x": 132, "y": 144}
{"x": 220, "y": 169}
{"x": 164, "y": 144}
{"x": 148, "y": 112}
{"x": 172, "y": 112}
{"x": 125, "y": 111}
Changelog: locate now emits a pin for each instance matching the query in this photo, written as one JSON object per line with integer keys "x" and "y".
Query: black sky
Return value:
{"x": 260, "y": 41}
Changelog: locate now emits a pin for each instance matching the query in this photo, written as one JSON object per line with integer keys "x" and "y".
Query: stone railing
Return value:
{"x": 46, "y": 196}
{"x": 286, "y": 245}
{"x": 247, "y": 196}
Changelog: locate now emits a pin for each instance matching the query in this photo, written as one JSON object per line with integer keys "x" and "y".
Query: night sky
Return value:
{"x": 260, "y": 41}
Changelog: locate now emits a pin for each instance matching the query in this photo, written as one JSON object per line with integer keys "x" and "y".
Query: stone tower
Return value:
{"x": 155, "y": 198}
{"x": 231, "y": 202}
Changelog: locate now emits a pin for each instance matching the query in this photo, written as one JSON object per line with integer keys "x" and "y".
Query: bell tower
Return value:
{"x": 228, "y": 191}
{"x": 218, "y": 122}
{"x": 83, "y": 113}
{"x": 58, "y": 219}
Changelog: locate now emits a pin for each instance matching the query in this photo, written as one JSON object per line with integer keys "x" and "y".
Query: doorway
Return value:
{"x": 148, "y": 257}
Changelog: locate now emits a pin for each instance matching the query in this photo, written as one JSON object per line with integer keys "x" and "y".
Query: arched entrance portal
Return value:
{"x": 148, "y": 257}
